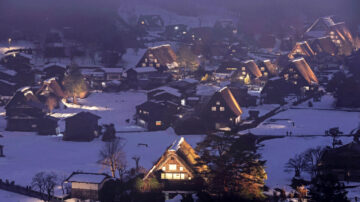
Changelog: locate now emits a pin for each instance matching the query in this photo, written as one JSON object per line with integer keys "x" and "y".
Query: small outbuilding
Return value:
{"x": 81, "y": 127}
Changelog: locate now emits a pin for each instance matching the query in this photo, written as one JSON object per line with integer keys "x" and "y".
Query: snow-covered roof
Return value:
{"x": 144, "y": 69}
{"x": 167, "y": 89}
{"x": 55, "y": 64}
{"x": 190, "y": 80}
{"x": 176, "y": 145}
{"x": 7, "y": 82}
{"x": 92, "y": 178}
{"x": 113, "y": 70}
{"x": 8, "y": 71}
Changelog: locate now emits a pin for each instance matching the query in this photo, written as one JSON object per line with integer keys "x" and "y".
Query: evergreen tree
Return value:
{"x": 327, "y": 188}
{"x": 75, "y": 84}
{"x": 235, "y": 171}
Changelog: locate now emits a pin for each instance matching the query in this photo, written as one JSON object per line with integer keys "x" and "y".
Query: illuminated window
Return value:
{"x": 169, "y": 176}
{"x": 222, "y": 109}
{"x": 295, "y": 82}
{"x": 262, "y": 68}
{"x": 181, "y": 168}
{"x": 164, "y": 168}
{"x": 143, "y": 64}
{"x": 286, "y": 76}
{"x": 265, "y": 74}
{"x": 243, "y": 68}
{"x": 217, "y": 102}
{"x": 162, "y": 175}
{"x": 158, "y": 123}
{"x": 213, "y": 109}
{"x": 241, "y": 77}
{"x": 176, "y": 176}
{"x": 158, "y": 65}
{"x": 142, "y": 22}
{"x": 172, "y": 166}
{"x": 244, "y": 73}
{"x": 155, "y": 60}
{"x": 182, "y": 176}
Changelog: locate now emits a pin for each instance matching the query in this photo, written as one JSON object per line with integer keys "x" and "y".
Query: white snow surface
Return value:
{"x": 6, "y": 196}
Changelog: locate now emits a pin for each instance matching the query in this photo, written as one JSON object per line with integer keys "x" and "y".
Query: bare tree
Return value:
{"x": 45, "y": 183}
{"x": 312, "y": 159}
{"x": 113, "y": 156}
{"x": 298, "y": 164}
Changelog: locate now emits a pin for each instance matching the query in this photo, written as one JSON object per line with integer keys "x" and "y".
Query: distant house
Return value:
{"x": 160, "y": 57}
{"x": 113, "y": 74}
{"x": 249, "y": 73}
{"x": 51, "y": 93}
{"x": 16, "y": 58}
{"x": 342, "y": 161}
{"x": 82, "y": 126}
{"x": 302, "y": 49}
{"x": 324, "y": 45}
{"x": 146, "y": 78}
{"x": 25, "y": 112}
{"x": 300, "y": 76}
{"x": 151, "y": 22}
{"x": 337, "y": 31}
{"x": 268, "y": 69}
{"x": 177, "y": 168}
{"x": 155, "y": 115}
{"x": 242, "y": 96}
{"x": 166, "y": 93}
{"x": 87, "y": 186}
{"x": 275, "y": 90}
{"x": 185, "y": 86}
{"x": 54, "y": 70}
{"x": 222, "y": 112}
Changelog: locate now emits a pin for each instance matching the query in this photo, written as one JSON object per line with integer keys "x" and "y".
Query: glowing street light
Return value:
{"x": 9, "y": 40}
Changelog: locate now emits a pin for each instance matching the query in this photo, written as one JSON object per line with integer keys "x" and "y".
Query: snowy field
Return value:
{"x": 308, "y": 122}
{"x": 6, "y": 196}
{"x": 278, "y": 151}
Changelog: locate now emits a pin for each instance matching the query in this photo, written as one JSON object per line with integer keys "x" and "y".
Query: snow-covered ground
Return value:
{"x": 111, "y": 107}
{"x": 308, "y": 122}
{"x": 278, "y": 151}
{"x": 6, "y": 196}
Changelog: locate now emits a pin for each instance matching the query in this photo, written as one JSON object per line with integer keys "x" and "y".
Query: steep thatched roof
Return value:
{"x": 52, "y": 86}
{"x": 230, "y": 101}
{"x": 186, "y": 155}
{"x": 271, "y": 68}
{"x": 304, "y": 69}
{"x": 301, "y": 48}
{"x": 253, "y": 68}
{"x": 324, "y": 45}
{"x": 164, "y": 55}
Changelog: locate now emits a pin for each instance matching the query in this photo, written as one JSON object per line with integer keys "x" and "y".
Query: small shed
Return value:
{"x": 87, "y": 185}
{"x": 81, "y": 127}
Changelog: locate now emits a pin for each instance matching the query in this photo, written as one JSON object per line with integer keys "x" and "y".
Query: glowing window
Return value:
{"x": 213, "y": 109}
{"x": 164, "y": 168}
{"x": 169, "y": 176}
{"x": 222, "y": 109}
{"x": 182, "y": 176}
{"x": 158, "y": 65}
{"x": 262, "y": 68}
{"x": 162, "y": 175}
{"x": 265, "y": 73}
{"x": 181, "y": 168}
{"x": 244, "y": 73}
{"x": 172, "y": 166}
{"x": 158, "y": 123}
{"x": 176, "y": 176}
{"x": 243, "y": 68}
{"x": 217, "y": 102}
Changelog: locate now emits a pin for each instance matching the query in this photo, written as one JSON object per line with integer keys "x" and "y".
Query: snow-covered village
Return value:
{"x": 179, "y": 101}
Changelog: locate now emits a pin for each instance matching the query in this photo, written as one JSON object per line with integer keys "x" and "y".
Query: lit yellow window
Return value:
{"x": 172, "y": 166}
{"x": 158, "y": 123}
{"x": 213, "y": 109}
{"x": 181, "y": 168}
{"x": 222, "y": 109}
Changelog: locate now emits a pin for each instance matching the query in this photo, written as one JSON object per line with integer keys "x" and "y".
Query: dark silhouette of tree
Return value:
{"x": 45, "y": 183}
{"x": 327, "y": 188}
{"x": 298, "y": 164}
{"x": 113, "y": 156}
{"x": 235, "y": 170}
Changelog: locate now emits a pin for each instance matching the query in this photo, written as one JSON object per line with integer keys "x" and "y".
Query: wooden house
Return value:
{"x": 338, "y": 32}
{"x": 113, "y": 74}
{"x": 324, "y": 45}
{"x": 56, "y": 70}
{"x": 275, "y": 91}
{"x": 155, "y": 115}
{"x": 16, "y": 58}
{"x": 51, "y": 93}
{"x": 146, "y": 78}
{"x": 248, "y": 73}
{"x": 242, "y": 96}
{"x": 151, "y": 22}
{"x": 87, "y": 186}
{"x": 268, "y": 69}
{"x": 301, "y": 49}
{"x": 300, "y": 76}
{"x": 342, "y": 161}
{"x": 160, "y": 57}
{"x": 227, "y": 69}
{"x": 82, "y": 126}
{"x": 177, "y": 168}
{"x": 222, "y": 112}
{"x": 166, "y": 93}
{"x": 185, "y": 86}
